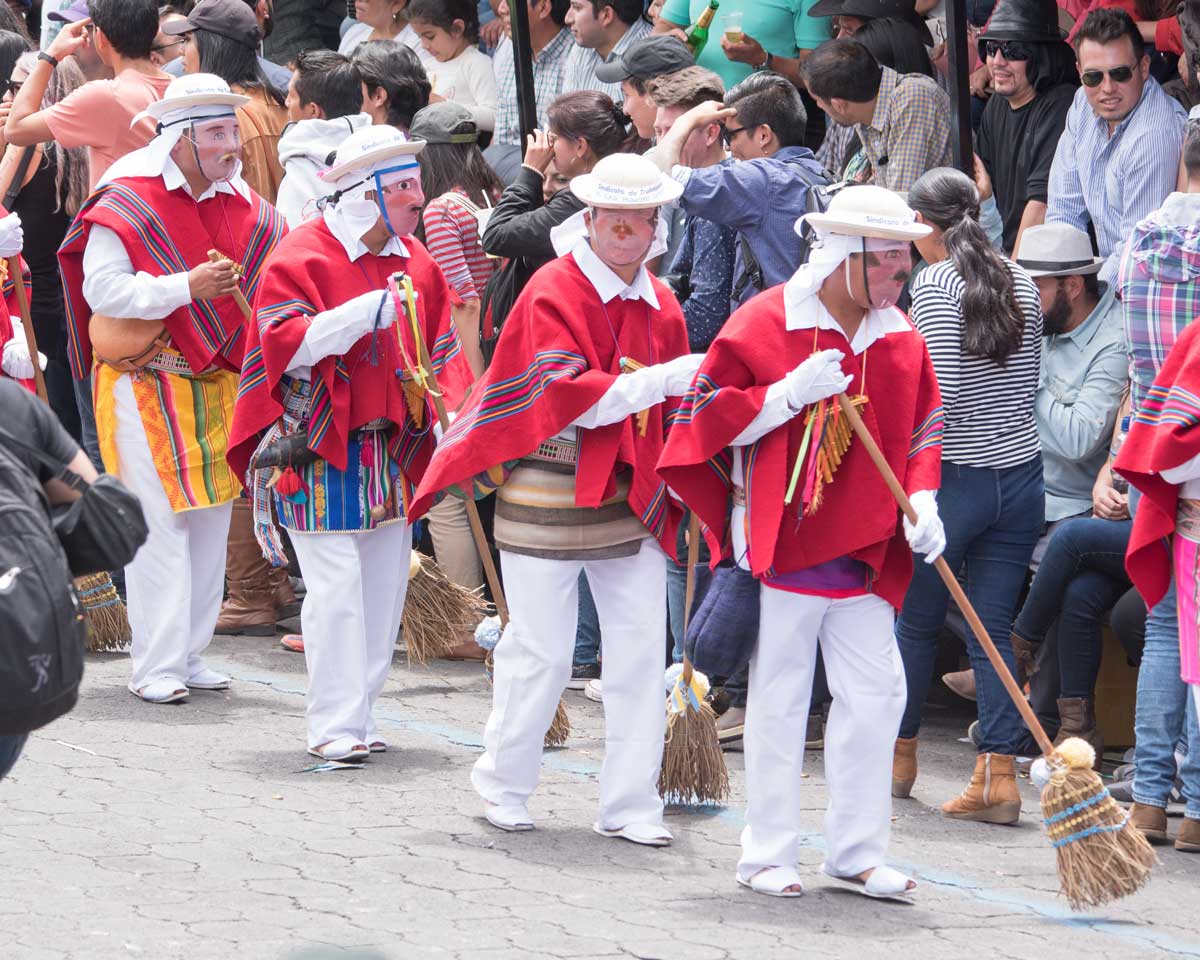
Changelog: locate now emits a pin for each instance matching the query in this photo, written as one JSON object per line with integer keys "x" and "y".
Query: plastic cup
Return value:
{"x": 733, "y": 26}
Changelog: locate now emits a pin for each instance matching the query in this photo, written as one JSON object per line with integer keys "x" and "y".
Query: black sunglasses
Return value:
{"x": 728, "y": 135}
{"x": 1093, "y": 78}
{"x": 1010, "y": 49}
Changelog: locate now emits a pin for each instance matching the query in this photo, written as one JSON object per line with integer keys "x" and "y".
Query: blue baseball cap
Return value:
{"x": 77, "y": 11}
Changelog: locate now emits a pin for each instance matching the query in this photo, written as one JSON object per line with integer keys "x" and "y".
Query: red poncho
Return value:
{"x": 1163, "y": 435}
{"x": 308, "y": 274}
{"x": 554, "y": 360}
{"x": 858, "y": 517}
{"x": 165, "y": 232}
{"x": 9, "y": 308}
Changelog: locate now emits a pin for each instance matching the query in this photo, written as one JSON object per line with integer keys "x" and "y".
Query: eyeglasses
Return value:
{"x": 728, "y": 135}
{"x": 167, "y": 46}
{"x": 1093, "y": 78}
{"x": 1009, "y": 49}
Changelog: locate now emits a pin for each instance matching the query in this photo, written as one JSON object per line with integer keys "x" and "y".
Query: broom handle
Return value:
{"x": 39, "y": 380}
{"x": 689, "y": 591}
{"x": 948, "y": 577}
{"x": 481, "y": 544}
{"x": 238, "y": 297}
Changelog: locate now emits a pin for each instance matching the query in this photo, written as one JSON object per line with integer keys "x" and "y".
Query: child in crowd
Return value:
{"x": 449, "y": 32}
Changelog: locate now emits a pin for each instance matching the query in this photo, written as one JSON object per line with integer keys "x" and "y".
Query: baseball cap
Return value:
{"x": 232, "y": 19}
{"x": 73, "y": 14}
{"x": 445, "y": 122}
{"x": 648, "y": 58}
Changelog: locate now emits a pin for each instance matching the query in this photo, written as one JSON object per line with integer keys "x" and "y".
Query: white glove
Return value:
{"x": 12, "y": 237}
{"x": 927, "y": 536}
{"x": 679, "y": 373}
{"x": 17, "y": 363}
{"x": 360, "y": 311}
{"x": 818, "y": 377}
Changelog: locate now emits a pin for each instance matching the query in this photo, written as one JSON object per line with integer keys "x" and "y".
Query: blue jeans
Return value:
{"x": 993, "y": 519}
{"x": 87, "y": 422}
{"x": 677, "y": 586}
{"x": 10, "y": 749}
{"x": 1080, "y": 579}
{"x": 587, "y": 630}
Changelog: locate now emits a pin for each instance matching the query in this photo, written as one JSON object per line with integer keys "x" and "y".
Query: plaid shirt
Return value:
{"x": 910, "y": 131}
{"x": 549, "y": 68}
{"x": 582, "y": 63}
{"x": 1159, "y": 287}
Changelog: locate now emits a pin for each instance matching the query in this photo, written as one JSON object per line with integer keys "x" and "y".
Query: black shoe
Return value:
{"x": 581, "y": 673}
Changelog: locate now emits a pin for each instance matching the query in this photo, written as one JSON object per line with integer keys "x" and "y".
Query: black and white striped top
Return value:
{"x": 989, "y": 408}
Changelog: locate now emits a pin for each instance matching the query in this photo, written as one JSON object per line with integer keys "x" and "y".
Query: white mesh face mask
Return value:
{"x": 217, "y": 147}
{"x": 885, "y": 266}
{"x": 395, "y": 196}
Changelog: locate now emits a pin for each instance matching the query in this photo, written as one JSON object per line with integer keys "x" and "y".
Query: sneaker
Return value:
{"x": 581, "y": 673}
{"x": 814, "y": 735}
{"x": 973, "y": 734}
{"x": 593, "y": 690}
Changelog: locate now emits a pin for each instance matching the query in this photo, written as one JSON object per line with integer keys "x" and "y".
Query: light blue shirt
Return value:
{"x": 1115, "y": 181}
{"x": 1083, "y": 379}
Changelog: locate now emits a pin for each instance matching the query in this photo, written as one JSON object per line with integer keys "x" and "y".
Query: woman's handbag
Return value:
{"x": 722, "y": 633}
{"x": 100, "y": 531}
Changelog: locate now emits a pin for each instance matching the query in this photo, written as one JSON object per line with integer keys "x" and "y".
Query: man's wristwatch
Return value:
{"x": 766, "y": 64}
{"x": 43, "y": 55}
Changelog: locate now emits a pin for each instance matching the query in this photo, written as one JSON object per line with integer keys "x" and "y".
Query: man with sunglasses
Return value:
{"x": 1118, "y": 156}
{"x": 1033, "y": 82}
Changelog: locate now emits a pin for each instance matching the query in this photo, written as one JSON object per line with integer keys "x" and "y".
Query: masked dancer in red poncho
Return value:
{"x": 334, "y": 421}
{"x": 1161, "y": 458}
{"x": 575, "y": 404}
{"x": 136, "y": 260}
{"x": 761, "y": 431}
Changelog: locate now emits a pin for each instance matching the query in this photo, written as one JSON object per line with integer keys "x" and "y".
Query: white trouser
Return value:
{"x": 173, "y": 585}
{"x": 533, "y": 665}
{"x": 866, "y": 678}
{"x": 356, "y": 584}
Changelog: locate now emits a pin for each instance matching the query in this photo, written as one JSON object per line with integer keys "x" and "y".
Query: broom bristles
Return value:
{"x": 1102, "y": 856}
{"x": 437, "y": 612}
{"x": 560, "y": 726}
{"x": 693, "y": 766}
{"x": 107, "y": 620}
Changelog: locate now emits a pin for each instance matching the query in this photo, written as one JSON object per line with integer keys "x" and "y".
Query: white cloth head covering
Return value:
{"x": 571, "y": 231}
{"x": 358, "y": 156}
{"x": 826, "y": 254}
{"x": 195, "y": 96}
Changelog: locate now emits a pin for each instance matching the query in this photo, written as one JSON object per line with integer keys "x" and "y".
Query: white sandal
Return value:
{"x": 164, "y": 690}
{"x": 343, "y": 749}
{"x": 884, "y": 883}
{"x": 773, "y": 882}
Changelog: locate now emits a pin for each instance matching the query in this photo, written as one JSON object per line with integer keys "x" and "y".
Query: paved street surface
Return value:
{"x": 194, "y": 831}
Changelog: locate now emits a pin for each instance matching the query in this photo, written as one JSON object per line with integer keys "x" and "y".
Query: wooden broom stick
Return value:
{"x": 39, "y": 380}
{"x": 481, "y": 544}
{"x": 238, "y": 297}
{"x": 689, "y": 590}
{"x": 948, "y": 577}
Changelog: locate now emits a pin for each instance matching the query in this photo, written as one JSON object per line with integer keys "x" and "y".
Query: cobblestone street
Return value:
{"x": 197, "y": 831}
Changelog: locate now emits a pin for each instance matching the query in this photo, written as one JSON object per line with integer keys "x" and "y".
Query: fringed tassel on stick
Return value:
{"x": 107, "y": 621}
{"x": 437, "y": 611}
{"x": 560, "y": 727}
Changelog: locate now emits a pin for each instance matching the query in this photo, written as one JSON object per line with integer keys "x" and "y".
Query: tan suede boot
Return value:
{"x": 904, "y": 766}
{"x": 249, "y": 607}
{"x": 1026, "y": 655}
{"x": 1078, "y": 719}
{"x": 991, "y": 796}
{"x": 1188, "y": 840}
{"x": 286, "y": 604}
{"x": 1152, "y": 821}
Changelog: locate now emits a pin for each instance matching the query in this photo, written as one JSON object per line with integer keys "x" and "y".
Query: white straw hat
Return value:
{"x": 625, "y": 181}
{"x": 192, "y": 90}
{"x": 1056, "y": 250}
{"x": 368, "y": 148}
{"x": 867, "y": 211}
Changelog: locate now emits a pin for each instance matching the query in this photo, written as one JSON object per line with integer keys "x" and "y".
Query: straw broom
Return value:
{"x": 693, "y": 766}
{"x": 560, "y": 726}
{"x": 436, "y": 610}
{"x": 1101, "y": 855}
{"x": 105, "y": 615}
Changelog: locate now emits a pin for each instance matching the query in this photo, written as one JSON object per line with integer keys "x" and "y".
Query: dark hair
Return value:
{"x": 1191, "y": 149}
{"x": 13, "y": 24}
{"x": 993, "y": 324}
{"x": 558, "y": 11}
{"x": 395, "y": 68}
{"x": 771, "y": 99}
{"x": 1051, "y": 65}
{"x": 233, "y": 62}
{"x": 895, "y": 43}
{"x": 129, "y": 25}
{"x": 1106, "y": 25}
{"x": 330, "y": 81}
{"x": 627, "y": 11}
{"x": 12, "y": 45}
{"x": 842, "y": 68}
{"x": 450, "y": 166}
{"x": 70, "y": 164}
{"x": 589, "y": 115}
{"x": 443, "y": 13}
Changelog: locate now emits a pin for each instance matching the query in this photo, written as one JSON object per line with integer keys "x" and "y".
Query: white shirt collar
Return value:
{"x": 173, "y": 178}
{"x": 804, "y": 313}
{"x": 608, "y": 285}
{"x": 354, "y": 246}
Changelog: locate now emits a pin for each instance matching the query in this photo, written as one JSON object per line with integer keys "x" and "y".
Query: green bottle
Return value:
{"x": 697, "y": 33}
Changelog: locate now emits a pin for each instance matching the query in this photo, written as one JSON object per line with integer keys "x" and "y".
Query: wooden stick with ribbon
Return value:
{"x": 216, "y": 256}
{"x": 14, "y": 271}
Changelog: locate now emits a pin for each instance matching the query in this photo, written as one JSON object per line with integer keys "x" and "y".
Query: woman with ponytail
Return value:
{"x": 982, "y": 321}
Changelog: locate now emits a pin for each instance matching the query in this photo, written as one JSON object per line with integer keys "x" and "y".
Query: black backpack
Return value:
{"x": 42, "y": 630}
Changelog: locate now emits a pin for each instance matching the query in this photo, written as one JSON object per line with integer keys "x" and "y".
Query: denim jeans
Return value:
{"x": 587, "y": 629}
{"x": 87, "y": 422}
{"x": 677, "y": 586}
{"x": 993, "y": 519}
{"x": 1081, "y": 577}
{"x": 10, "y": 749}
